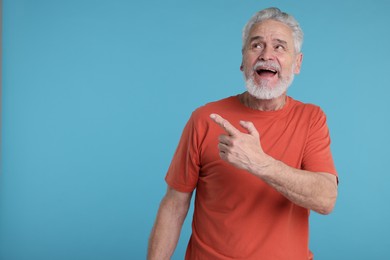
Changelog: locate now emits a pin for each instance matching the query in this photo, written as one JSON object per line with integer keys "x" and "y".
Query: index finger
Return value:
{"x": 226, "y": 125}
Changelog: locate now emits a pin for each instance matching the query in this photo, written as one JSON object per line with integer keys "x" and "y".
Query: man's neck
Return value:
{"x": 262, "y": 104}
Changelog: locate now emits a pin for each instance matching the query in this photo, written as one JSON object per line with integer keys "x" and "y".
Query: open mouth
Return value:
{"x": 266, "y": 72}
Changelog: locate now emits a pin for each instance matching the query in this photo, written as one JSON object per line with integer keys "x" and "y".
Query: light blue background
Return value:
{"x": 96, "y": 93}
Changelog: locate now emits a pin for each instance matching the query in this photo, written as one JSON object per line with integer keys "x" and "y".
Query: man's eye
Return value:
{"x": 256, "y": 46}
{"x": 279, "y": 47}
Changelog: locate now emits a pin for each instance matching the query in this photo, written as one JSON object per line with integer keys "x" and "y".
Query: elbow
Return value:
{"x": 327, "y": 204}
{"x": 327, "y": 198}
{"x": 325, "y": 210}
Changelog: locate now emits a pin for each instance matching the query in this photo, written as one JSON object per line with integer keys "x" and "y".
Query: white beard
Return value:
{"x": 263, "y": 91}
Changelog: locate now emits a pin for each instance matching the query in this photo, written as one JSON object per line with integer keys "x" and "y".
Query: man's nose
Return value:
{"x": 267, "y": 54}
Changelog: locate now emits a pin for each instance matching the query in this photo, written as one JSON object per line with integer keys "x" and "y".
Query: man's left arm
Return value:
{"x": 312, "y": 190}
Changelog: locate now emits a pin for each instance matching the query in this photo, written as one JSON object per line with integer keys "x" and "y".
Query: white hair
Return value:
{"x": 277, "y": 15}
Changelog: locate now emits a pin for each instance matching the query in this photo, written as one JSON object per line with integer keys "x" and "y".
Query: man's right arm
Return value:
{"x": 166, "y": 230}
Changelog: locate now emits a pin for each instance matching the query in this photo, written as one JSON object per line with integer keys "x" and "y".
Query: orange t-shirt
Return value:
{"x": 237, "y": 215}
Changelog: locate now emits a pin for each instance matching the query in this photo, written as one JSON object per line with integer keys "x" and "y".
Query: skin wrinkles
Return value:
{"x": 270, "y": 41}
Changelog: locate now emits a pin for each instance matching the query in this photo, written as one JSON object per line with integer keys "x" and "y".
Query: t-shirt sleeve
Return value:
{"x": 183, "y": 172}
{"x": 317, "y": 155}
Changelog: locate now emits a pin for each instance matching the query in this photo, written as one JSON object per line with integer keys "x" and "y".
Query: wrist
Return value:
{"x": 263, "y": 166}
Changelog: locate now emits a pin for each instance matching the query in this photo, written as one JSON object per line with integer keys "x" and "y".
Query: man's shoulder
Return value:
{"x": 227, "y": 103}
{"x": 302, "y": 106}
{"x": 309, "y": 111}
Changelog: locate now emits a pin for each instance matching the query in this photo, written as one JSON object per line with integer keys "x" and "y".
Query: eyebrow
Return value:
{"x": 256, "y": 38}
{"x": 262, "y": 38}
{"x": 281, "y": 41}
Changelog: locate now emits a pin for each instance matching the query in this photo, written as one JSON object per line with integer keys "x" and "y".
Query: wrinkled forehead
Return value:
{"x": 271, "y": 30}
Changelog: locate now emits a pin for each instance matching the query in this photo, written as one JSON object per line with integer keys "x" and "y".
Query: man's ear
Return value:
{"x": 298, "y": 63}
{"x": 241, "y": 67}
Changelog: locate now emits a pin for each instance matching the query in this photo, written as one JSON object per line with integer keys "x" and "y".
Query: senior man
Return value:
{"x": 259, "y": 161}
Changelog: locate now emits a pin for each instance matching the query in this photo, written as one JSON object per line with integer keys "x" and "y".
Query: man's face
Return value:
{"x": 269, "y": 59}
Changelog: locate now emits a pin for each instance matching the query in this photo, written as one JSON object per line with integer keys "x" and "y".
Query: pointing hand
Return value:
{"x": 243, "y": 150}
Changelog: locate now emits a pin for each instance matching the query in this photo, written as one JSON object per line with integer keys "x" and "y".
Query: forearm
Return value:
{"x": 166, "y": 230}
{"x": 312, "y": 190}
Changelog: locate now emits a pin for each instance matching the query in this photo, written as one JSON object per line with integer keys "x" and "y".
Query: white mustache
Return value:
{"x": 268, "y": 64}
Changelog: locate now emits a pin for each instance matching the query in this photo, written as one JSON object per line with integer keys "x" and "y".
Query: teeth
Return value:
{"x": 269, "y": 69}
{"x": 260, "y": 69}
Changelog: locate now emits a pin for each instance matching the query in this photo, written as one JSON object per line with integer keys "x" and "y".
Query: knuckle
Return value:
{"x": 224, "y": 124}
